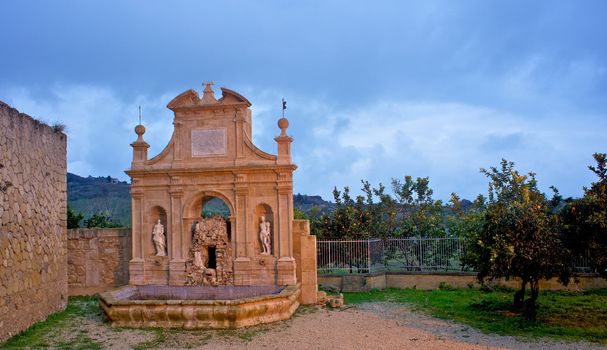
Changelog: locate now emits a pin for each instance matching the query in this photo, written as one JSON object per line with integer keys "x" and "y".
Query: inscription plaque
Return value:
{"x": 208, "y": 142}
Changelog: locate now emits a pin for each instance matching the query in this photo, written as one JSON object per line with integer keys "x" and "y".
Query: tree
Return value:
{"x": 519, "y": 237}
{"x": 585, "y": 220}
{"x": 101, "y": 220}
{"x": 421, "y": 216}
{"x": 467, "y": 225}
{"x": 73, "y": 219}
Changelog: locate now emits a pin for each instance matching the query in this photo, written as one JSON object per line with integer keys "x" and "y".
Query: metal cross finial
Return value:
{"x": 284, "y": 106}
{"x": 208, "y": 83}
{"x": 139, "y": 115}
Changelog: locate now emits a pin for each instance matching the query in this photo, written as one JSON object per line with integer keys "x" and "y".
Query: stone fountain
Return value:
{"x": 255, "y": 265}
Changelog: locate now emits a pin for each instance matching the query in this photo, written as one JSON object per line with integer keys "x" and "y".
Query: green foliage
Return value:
{"x": 411, "y": 213}
{"x": 101, "y": 220}
{"x": 585, "y": 220}
{"x": 467, "y": 225}
{"x": 73, "y": 219}
{"x": 420, "y": 215}
{"x": 299, "y": 214}
{"x": 349, "y": 219}
{"x": 519, "y": 236}
{"x": 215, "y": 207}
{"x": 90, "y": 195}
{"x": 564, "y": 316}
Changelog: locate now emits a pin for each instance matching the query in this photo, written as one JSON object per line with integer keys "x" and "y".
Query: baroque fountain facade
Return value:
{"x": 255, "y": 266}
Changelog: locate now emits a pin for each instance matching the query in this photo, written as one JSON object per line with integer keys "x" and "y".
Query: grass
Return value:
{"x": 561, "y": 315}
{"x": 62, "y": 330}
{"x": 38, "y": 335}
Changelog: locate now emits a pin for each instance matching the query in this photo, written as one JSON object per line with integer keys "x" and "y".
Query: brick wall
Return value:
{"x": 98, "y": 259}
{"x": 33, "y": 256}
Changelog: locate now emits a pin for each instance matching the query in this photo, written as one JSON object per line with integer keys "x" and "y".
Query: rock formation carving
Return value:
{"x": 211, "y": 263}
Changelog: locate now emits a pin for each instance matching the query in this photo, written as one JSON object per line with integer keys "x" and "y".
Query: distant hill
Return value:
{"x": 90, "y": 195}
{"x": 305, "y": 203}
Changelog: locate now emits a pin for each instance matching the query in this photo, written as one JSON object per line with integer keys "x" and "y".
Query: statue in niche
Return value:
{"x": 159, "y": 239}
{"x": 264, "y": 236}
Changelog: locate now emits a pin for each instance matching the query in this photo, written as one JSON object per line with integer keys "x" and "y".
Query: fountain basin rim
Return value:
{"x": 110, "y": 299}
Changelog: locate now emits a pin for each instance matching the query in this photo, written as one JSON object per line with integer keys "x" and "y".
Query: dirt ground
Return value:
{"x": 365, "y": 326}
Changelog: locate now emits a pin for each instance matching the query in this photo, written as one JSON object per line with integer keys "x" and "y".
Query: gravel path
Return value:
{"x": 381, "y": 326}
{"x": 367, "y": 326}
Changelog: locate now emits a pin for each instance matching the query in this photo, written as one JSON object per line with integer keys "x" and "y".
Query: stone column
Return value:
{"x": 136, "y": 265}
{"x": 286, "y": 263}
{"x": 242, "y": 263}
{"x": 178, "y": 245}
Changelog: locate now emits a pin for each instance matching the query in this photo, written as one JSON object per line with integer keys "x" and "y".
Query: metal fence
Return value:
{"x": 353, "y": 256}
{"x": 340, "y": 257}
{"x": 423, "y": 254}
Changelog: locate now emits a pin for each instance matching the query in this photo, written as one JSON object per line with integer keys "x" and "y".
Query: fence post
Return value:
{"x": 368, "y": 256}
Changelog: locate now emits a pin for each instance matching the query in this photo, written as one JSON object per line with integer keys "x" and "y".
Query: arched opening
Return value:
{"x": 215, "y": 206}
{"x": 156, "y": 213}
{"x": 212, "y": 206}
{"x": 265, "y": 229}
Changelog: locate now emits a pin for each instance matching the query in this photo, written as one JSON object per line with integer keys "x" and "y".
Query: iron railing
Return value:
{"x": 340, "y": 257}
{"x": 423, "y": 254}
{"x": 350, "y": 256}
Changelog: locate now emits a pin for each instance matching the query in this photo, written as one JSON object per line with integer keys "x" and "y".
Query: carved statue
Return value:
{"x": 264, "y": 236}
{"x": 159, "y": 239}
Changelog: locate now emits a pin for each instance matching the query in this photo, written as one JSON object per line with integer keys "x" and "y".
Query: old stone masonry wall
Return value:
{"x": 98, "y": 259}
{"x": 33, "y": 234}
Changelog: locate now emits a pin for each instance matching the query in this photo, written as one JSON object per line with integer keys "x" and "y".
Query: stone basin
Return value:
{"x": 198, "y": 307}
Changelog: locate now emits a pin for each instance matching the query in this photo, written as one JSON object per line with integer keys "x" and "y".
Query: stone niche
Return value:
{"x": 211, "y": 156}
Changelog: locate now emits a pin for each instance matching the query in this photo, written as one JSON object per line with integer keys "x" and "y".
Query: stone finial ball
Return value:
{"x": 283, "y": 123}
{"x": 140, "y": 129}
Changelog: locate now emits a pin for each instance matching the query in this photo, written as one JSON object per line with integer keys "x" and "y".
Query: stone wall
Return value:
{"x": 33, "y": 255}
{"x": 98, "y": 259}
{"x": 304, "y": 253}
{"x": 419, "y": 280}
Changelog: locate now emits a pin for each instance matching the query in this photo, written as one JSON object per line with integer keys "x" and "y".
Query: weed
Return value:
{"x": 58, "y": 127}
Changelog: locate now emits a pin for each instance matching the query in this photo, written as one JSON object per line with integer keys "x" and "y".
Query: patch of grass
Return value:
{"x": 39, "y": 335}
{"x": 158, "y": 341}
{"x": 81, "y": 341}
{"x": 561, "y": 315}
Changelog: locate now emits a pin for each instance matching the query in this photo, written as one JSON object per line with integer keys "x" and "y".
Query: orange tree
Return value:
{"x": 519, "y": 236}
{"x": 585, "y": 220}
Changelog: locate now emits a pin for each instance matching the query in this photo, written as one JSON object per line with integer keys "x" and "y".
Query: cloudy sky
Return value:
{"x": 375, "y": 89}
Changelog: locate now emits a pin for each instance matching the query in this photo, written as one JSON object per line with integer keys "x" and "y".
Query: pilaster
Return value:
{"x": 178, "y": 250}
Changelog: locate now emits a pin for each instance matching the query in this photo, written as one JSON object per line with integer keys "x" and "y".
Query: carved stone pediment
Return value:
{"x": 188, "y": 98}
